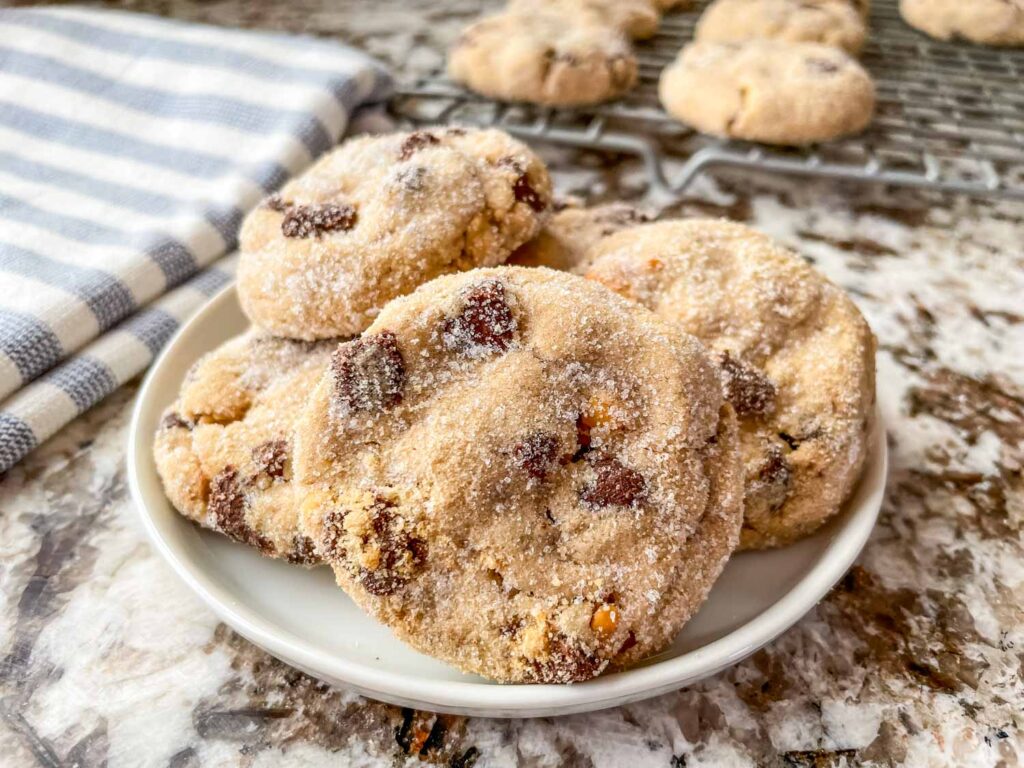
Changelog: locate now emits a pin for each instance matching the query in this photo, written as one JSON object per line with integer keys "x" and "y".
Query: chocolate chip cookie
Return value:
{"x": 567, "y": 238}
{"x": 522, "y": 474}
{"x": 637, "y": 19}
{"x": 768, "y": 91}
{"x": 831, "y": 22}
{"x": 543, "y": 57}
{"x": 377, "y": 217}
{"x": 797, "y": 357}
{"x": 224, "y": 448}
{"x": 987, "y": 22}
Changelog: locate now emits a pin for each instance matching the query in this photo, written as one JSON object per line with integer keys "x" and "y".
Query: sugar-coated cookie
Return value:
{"x": 831, "y": 22}
{"x": 224, "y": 448}
{"x": 796, "y": 355}
{"x": 377, "y": 217}
{"x": 988, "y": 22}
{"x": 768, "y": 91}
{"x": 522, "y": 474}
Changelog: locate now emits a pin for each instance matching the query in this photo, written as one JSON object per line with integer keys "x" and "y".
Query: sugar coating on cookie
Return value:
{"x": 638, "y": 19}
{"x": 987, "y": 22}
{"x": 768, "y": 91}
{"x": 377, "y": 217}
{"x": 831, "y": 22}
{"x": 522, "y": 474}
{"x": 796, "y": 355}
{"x": 568, "y": 236}
{"x": 224, "y": 449}
{"x": 542, "y": 57}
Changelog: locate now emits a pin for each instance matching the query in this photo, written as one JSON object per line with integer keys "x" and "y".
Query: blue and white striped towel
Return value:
{"x": 130, "y": 149}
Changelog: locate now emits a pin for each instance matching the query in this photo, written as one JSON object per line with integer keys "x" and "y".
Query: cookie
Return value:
{"x": 224, "y": 449}
{"x": 543, "y": 58}
{"x": 988, "y": 22}
{"x": 522, "y": 474}
{"x": 830, "y": 22}
{"x": 797, "y": 359}
{"x": 768, "y": 91}
{"x": 566, "y": 239}
{"x": 638, "y": 19}
{"x": 377, "y": 217}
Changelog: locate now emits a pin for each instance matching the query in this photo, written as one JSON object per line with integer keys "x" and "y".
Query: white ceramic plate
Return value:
{"x": 300, "y": 616}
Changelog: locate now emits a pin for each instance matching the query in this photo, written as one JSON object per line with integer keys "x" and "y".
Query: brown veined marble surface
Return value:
{"x": 915, "y": 658}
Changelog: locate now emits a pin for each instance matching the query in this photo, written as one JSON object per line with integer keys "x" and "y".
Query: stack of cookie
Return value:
{"x": 556, "y": 52}
{"x": 531, "y": 475}
{"x": 774, "y": 71}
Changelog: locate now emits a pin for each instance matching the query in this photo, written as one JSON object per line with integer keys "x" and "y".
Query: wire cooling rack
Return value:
{"x": 950, "y": 116}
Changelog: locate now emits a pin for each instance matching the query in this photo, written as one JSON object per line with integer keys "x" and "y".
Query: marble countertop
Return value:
{"x": 915, "y": 658}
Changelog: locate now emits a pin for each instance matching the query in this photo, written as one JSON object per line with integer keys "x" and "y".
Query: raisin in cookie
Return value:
{"x": 379, "y": 216}
{"x": 797, "y": 357}
{"x": 522, "y": 474}
{"x": 988, "y": 22}
{"x": 543, "y": 58}
{"x": 768, "y": 91}
{"x": 224, "y": 448}
{"x": 567, "y": 238}
{"x": 638, "y": 19}
{"x": 830, "y": 22}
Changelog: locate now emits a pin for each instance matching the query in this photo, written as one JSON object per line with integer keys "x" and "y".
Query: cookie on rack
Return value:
{"x": 522, "y": 474}
{"x": 987, "y": 22}
{"x": 377, "y": 217}
{"x": 224, "y": 449}
{"x": 798, "y": 359}
{"x": 637, "y": 19}
{"x": 567, "y": 238}
{"x": 542, "y": 57}
{"x": 769, "y": 91}
{"x": 831, "y": 22}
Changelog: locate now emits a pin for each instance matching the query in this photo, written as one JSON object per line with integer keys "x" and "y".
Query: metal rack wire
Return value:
{"x": 950, "y": 116}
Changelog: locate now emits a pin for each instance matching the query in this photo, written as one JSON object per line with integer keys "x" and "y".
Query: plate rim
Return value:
{"x": 488, "y": 699}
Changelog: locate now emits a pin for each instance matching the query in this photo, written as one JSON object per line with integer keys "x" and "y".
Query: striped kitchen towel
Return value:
{"x": 130, "y": 149}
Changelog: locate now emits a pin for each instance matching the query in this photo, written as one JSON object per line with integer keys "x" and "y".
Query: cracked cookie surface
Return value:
{"x": 768, "y": 91}
{"x": 380, "y": 215}
{"x": 987, "y": 22}
{"x": 837, "y": 23}
{"x": 797, "y": 358}
{"x": 522, "y": 474}
{"x": 224, "y": 448}
{"x": 543, "y": 57}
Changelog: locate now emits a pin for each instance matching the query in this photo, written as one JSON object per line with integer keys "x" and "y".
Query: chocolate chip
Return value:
{"x": 455, "y": 131}
{"x": 822, "y": 66}
{"x": 614, "y": 484}
{"x": 270, "y": 457}
{"x": 775, "y": 469}
{"x": 582, "y": 438}
{"x": 303, "y": 221}
{"x": 276, "y": 203}
{"x": 227, "y": 505}
{"x": 521, "y": 187}
{"x": 567, "y": 662}
{"x": 398, "y": 552}
{"x": 410, "y": 177}
{"x": 789, "y": 440}
{"x": 536, "y": 454}
{"x": 369, "y": 373}
{"x": 749, "y": 390}
{"x": 485, "y": 323}
{"x": 414, "y": 142}
{"x": 174, "y": 420}
{"x": 332, "y": 533}
{"x": 303, "y": 551}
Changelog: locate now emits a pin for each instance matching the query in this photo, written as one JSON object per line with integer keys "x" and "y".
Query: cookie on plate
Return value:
{"x": 543, "y": 58}
{"x": 566, "y": 239}
{"x": 988, "y": 22}
{"x": 638, "y": 19}
{"x": 377, "y": 217}
{"x": 522, "y": 474}
{"x": 797, "y": 357}
{"x": 831, "y": 22}
{"x": 224, "y": 449}
{"x": 768, "y": 91}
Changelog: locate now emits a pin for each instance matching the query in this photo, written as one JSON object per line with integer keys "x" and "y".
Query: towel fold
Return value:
{"x": 131, "y": 148}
